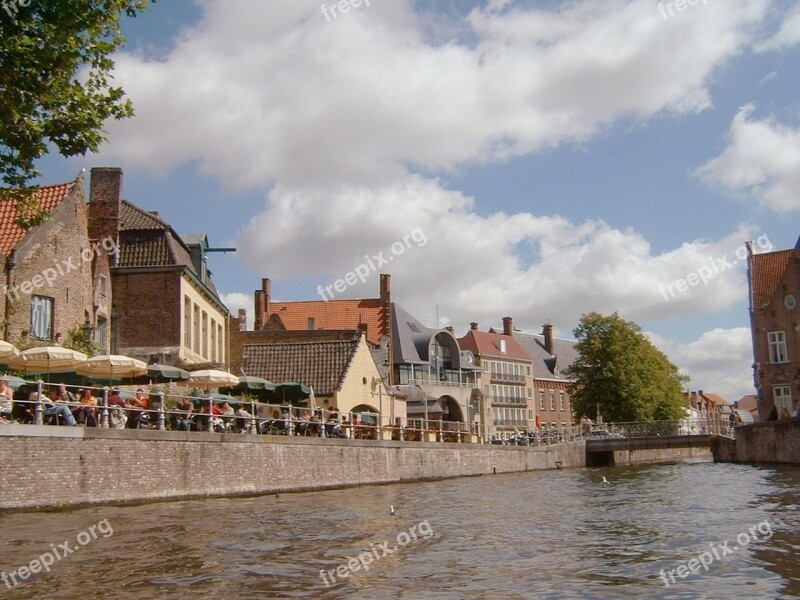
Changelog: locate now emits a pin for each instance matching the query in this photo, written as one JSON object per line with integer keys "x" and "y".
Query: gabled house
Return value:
{"x": 551, "y": 357}
{"x": 370, "y": 315}
{"x": 774, "y": 291}
{"x": 445, "y": 375}
{"x": 55, "y": 275}
{"x": 509, "y": 371}
{"x": 166, "y": 308}
{"x": 337, "y": 365}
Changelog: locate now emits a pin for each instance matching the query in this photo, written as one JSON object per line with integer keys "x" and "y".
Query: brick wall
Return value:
{"x": 54, "y": 248}
{"x": 97, "y": 466}
{"x": 152, "y": 308}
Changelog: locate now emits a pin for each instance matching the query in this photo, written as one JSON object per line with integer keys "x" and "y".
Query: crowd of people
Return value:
{"x": 60, "y": 406}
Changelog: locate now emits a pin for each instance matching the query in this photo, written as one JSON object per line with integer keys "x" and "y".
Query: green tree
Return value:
{"x": 55, "y": 85}
{"x": 621, "y": 374}
{"x": 77, "y": 339}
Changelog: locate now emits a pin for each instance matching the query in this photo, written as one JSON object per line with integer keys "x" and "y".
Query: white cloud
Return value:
{"x": 719, "y": 361}
{"x": 296, "y": 100}
{"x": 236, "y": 300}
{"x": 787, "y": 35}
{"x": 762, "y": 159}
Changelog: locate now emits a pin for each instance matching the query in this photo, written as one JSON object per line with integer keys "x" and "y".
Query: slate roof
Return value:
{"x": 766, "y": 272}
{"x": 146, "y": 240}
{"x": 333, "y": 314}
{"x": 50, "y": 196}
{"x": 546, "y": 366}
{"x": 412, "y": 341}
{"x": 487, "y": 344}
{"x": 320, "y": 364}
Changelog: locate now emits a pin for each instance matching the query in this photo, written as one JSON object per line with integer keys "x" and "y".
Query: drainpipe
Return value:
{"x": 9, "y": 268}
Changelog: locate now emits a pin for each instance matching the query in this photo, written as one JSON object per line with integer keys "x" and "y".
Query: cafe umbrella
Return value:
{"x": 48, "y": 359}
{"x": 111, "y": 366}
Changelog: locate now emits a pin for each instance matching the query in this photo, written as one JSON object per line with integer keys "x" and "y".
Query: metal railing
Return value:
{"x": 50, "y": 404}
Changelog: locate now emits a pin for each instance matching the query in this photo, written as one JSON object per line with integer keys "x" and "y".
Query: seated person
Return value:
{"x": 303, "y": 426}
{"x": 333, "y": 426}
{"x": 136, "y": 418}
{"x": 182, "y": 418}
{"x": 116, "y": 410}
{"x": 227, "y": 414}
{"x": 86, "y": 413}
{"x": 55, "y": 407}
{"x": 23, "y": 410}
{"x": 6, "y": 400}
{"x": 242, "y": 419}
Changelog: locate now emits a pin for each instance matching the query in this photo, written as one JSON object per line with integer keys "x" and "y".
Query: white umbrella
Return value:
{"x": 7, "y": 350}
{"x": 112, "y": 365}
{"x": 208, "y": 378}
{"x": 48, "y": 358}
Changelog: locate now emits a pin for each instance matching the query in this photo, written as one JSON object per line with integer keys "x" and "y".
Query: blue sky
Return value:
{"x": 560, "y": 157}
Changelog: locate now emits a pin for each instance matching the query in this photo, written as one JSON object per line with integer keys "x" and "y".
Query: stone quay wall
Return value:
{"x": 48, "y": 467}
{"x": 773, "y": 442}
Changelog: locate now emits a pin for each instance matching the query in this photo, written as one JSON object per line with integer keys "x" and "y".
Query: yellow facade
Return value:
{"x": 204, "y": 332}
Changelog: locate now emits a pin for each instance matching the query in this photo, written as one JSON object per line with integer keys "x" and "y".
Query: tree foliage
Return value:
{"x": 622, "y": 374}
{"x": 55, "y": 85}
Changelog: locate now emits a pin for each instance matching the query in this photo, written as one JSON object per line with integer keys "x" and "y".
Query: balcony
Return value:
{"x": 507, "y": 378}
{"x": 508, "y": 400}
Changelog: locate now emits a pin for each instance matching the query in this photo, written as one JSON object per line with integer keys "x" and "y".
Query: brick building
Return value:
{"x": 56, "y": 274}
{"x": 507, "y": 378}
{"x": 774, "y": 286}
{"x": 370, "y": 315}
{"x": 551, "y": 356}
{"x": 165, "y": 306}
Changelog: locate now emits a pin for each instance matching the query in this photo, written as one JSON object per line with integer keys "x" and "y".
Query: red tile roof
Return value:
{"x": 50, "y": 196}
{"x": 766, "y": 272}
{"x": 484, "y": 343}
{"x": 334, "y": 314}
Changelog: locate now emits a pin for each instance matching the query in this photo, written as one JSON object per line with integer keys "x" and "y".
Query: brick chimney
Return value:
{"x": 385, "y": 303}
{"x": 262, "y": 304}
{"x": 508, "y": 326}
{"x": 473, "y": 326}
{"x": 547, "y": 332}
{"x": 105, "y": 198}
{"x": 242, "y": 319}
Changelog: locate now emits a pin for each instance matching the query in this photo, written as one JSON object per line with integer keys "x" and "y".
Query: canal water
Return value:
{"x": 724, "y": 531}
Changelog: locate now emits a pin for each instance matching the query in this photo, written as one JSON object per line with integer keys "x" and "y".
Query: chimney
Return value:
{"x": 262, "y": 299}
{"x": 105, "y": 197}
{"x": 385, "y": 304}
{"x": 242, "y": 319}
{"x": 508, "y": 326}
{"x": 547, "y": 332}
{"x": 473, "y": 326}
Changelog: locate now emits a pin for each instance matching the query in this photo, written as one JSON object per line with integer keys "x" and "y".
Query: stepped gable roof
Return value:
{"x": 766, "y": 272}
{"x": 321, "y": 364}
{"x": 50, "y": 196}
{"x": 546, "y": 366}
{"x": 487, "y": 344}
{"x": 333, "y": 314}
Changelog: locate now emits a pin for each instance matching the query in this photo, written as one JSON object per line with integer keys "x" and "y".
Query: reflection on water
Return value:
{"x": 553, "y": 534}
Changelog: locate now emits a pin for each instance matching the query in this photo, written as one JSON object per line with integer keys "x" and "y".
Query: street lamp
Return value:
{"x": 88, "y": 332}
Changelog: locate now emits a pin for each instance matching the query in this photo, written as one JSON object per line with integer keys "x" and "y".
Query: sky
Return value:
{"x": 532, "y": 159}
